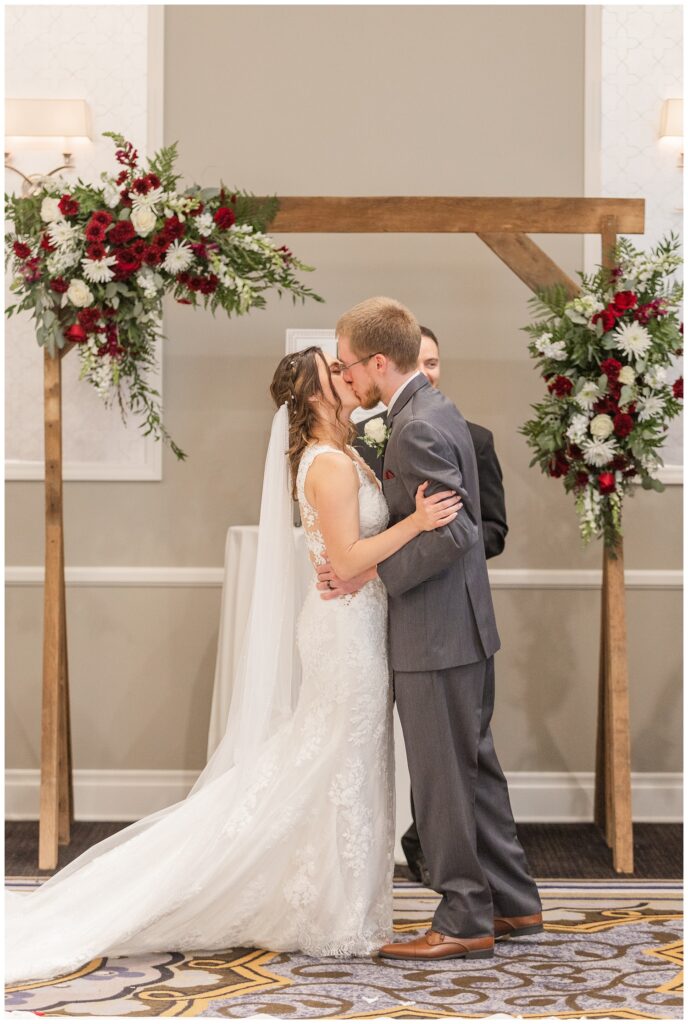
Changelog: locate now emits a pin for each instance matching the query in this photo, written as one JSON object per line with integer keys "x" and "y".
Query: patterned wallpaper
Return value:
{"x": 641, "y": 67}
{"x": 99, "y": 54}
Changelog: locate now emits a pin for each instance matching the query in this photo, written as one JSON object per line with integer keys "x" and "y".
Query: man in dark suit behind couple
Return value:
{"x": 493, "y": 516}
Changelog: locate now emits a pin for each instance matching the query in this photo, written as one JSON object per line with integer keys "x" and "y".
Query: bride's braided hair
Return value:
{"x": 295, "y": 380}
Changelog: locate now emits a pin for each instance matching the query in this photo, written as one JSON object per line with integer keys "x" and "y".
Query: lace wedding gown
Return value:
{"x": 294, "y": 851}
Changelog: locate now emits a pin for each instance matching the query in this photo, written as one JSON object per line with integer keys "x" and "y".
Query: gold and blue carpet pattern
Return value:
{"x": 610, "y": 949}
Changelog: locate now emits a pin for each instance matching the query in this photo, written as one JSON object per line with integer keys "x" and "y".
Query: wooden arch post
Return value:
{"x": 503, "y": 225}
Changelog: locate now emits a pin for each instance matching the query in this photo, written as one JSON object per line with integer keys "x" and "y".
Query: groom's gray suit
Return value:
{"x": 443, "y": 636}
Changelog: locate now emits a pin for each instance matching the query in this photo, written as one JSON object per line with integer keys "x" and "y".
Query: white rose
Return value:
{"x": 376, "y": 430}
{"x": 626, "y": 375}
{"x": 78, "y": 293}
{"x": 601, "y": 426}
{"x": 143, "y": 221}
{"x": 50, "y": 210}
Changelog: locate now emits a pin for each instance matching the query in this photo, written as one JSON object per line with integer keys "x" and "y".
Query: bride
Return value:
{"x": 286, "y": 839}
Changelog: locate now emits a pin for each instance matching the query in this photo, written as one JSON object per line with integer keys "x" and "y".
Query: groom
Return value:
{"x": 443, "y": 637}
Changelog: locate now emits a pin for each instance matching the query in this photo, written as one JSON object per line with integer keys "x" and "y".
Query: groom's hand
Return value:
{"x": 331, "y": 586}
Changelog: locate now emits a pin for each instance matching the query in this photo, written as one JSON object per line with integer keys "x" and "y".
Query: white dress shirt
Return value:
{"x": 400, "y": 389}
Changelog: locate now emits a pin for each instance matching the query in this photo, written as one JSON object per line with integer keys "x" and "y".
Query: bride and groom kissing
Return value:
{"x": 286, "y": 841}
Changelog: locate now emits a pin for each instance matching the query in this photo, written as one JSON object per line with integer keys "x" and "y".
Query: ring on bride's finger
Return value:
{"x": 329, "y": 585}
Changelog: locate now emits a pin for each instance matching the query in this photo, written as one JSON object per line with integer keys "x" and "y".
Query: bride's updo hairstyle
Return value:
{"x": 295, "y": 381}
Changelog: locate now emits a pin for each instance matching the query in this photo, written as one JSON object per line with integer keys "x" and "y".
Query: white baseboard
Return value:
{"x": 535, "y": 796}
{"x": 209, "y": 576}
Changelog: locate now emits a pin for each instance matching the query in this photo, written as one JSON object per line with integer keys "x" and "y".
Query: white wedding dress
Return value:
{"x": 291, "y": 849}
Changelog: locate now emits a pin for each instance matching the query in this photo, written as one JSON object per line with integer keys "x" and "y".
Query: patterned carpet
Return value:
{"x": 610, "y": 949}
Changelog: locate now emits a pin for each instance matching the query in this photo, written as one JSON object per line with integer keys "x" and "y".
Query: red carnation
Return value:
{"x": 607, "y": 317}
{"x": 138, "y": 248}
{"x": 560, "y": 386}
{"x": 623, "y": 424}
{"x": 76, "y": 333}
{"x": 59, "y": 285}
{"x": 68, "y": 207}
{"x": 559, "y": 465}
{"x": 173, "y": 229}
{"x": 623, "y": 301}
{"x": 21, "y": 250}
{"x": 224, "y": 217}
{"x": 582, "y": 478}
{"x": 94, "y": 232}
{"x": 121, "y": 232}
{"x": 140, "y": 186}
{"x": 96, "y": 251}
{"x": 88, "y": 319}
{"x": 46, "y": 244}
{"x": 32, "y": 270}
{"x": 208, "y": 284}
{"x": 102, "y": 217}
{"x": 606, "y": 483}
{"x": 152, "y": 255}
{"x": 611, "y": 368}
{"x": 677, "y": 387}
{"x": 618, "y": 462}
{"x": 153, "y": 180}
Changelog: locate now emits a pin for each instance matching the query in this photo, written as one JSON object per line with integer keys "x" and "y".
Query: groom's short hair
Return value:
{"x": 382, "y": 325}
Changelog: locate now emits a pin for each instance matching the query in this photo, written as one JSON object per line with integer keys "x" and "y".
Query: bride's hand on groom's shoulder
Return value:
{"x": 438, "y": 510}
{"x": 330, "y": 586}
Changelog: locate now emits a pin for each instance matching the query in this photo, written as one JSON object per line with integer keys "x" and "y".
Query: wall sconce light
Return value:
{"x": 671, "y": 124}
{"x": 62, "y": 120}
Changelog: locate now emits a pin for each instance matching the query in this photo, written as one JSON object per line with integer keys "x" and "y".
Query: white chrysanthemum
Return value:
{"x": 633, "y": 339}
{"x": 649, "y": 407}
{"x": 204, "y": 223}
{"x": 601, "y": 426}
{"x": 588, "y": 394}
{"x": 627, "y": 375}
{"x": 655, "y": 377}
{"x": 62, "y": 235}
{"x": 179, "y": 257}
{"x": 63, "y": 259}
{"x": 578, "y": 428}
{"x": 598, "y": 453}
{"x": 147, "y": 201}
{"x": 98, "y": 271}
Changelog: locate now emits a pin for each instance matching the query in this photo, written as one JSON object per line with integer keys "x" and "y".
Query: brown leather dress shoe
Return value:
{"x": 508, "y": 927}
{"x": 436, "y": 946}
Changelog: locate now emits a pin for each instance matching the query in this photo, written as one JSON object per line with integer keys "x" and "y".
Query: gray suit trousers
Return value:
{"x": 463, "y": 812}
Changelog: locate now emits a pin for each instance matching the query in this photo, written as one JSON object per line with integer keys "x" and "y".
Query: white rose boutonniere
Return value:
{"x": 376, "y": 434}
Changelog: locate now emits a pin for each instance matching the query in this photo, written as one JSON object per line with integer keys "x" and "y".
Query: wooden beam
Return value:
{"x": 528, "y": 261}
{"x": 324, "y": 214}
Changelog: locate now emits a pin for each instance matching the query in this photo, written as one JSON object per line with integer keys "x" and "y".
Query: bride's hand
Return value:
{"x": 438, "y": 510}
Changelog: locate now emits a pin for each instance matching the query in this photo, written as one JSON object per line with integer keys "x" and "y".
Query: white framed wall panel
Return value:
{"x": 125, "y": 96}
{"x": 633, "y": 62}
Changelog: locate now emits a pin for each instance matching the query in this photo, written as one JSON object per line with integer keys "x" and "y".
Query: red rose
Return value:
{"x": 623, "y": 301}
{"x": 103, "y": 217}
{"x": 606, "y": 483}
{"x": 623, "y": 424}
{"x": 21, "y": 250}
{"x": 76, "y": 333}
{"x": 59, "y": 285}
{"x": 560, "y": 386}
{"x": 224, "y": 217}
{"x": 127, "y": 262}
{"x": 612, "y": 368}
{"x": 68, "y": 207}
{"x": 677, "y": 387}
{"x": 121, "y": 232}
{"x": 94, "y": 232}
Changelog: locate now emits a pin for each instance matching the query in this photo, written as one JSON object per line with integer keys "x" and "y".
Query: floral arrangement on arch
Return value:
{"x": 607, "y": 356}
{"x": 93, "y": 264}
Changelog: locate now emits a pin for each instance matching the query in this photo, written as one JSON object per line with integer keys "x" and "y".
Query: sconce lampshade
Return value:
{"x": 671, "y": 126}
{"x": 47, "y": 118}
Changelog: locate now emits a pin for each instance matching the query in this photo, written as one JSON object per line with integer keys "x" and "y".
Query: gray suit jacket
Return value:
{"x": 440, "y": 604}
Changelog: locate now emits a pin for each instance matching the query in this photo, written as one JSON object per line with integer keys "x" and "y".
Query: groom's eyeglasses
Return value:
{"x": 347, "y": 366}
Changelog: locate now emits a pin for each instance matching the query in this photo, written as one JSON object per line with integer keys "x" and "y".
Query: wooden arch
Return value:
{"x": 503, "y": 224}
